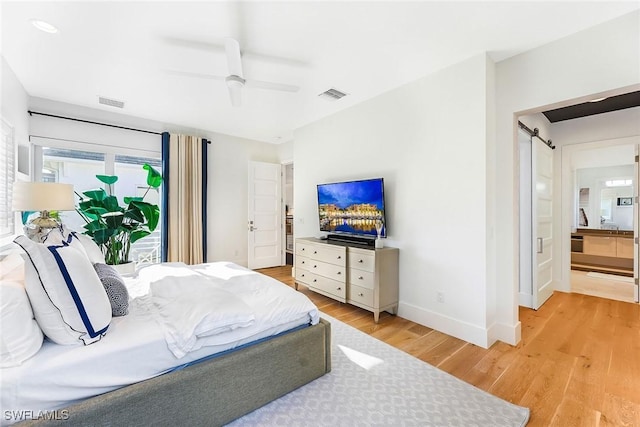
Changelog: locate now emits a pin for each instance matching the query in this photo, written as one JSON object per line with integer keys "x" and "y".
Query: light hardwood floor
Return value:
{"x": 578, "y": 363}
{"x": 619, "y": 288}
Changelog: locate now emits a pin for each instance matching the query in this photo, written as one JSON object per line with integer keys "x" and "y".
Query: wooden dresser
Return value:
{"x": 367, "y": 278}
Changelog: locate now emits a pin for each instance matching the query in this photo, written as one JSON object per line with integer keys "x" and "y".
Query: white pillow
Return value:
{"x": 12, "y": 268}
{"x": 92, "y": 250}
{"x": 20, "y": 335}
{"x": 82, "y": 242}
{"x": 68, "y": 299}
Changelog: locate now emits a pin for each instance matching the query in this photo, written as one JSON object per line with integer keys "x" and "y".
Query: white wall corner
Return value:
{"x": 463, "y": 330}
{"x": 525, "y": 299}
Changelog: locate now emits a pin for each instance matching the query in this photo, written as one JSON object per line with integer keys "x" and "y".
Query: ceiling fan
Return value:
{"x": 235, "y": 81}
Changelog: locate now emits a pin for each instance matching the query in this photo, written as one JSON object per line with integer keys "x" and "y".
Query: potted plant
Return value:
{"x": 114, "y": 227}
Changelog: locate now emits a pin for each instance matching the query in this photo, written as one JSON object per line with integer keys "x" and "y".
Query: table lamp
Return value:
{"x": 43, "y": 197}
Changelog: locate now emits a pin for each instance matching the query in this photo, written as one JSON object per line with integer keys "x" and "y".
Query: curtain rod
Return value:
{"x": 31, "y": 113}
{"x": 535, "y": 132}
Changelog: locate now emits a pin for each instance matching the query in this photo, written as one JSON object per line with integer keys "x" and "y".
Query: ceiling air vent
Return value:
{"x": 332, "y": 94}
{"x": 110, "y": 102}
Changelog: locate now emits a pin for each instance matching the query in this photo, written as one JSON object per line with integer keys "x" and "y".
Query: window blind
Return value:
{"x": 7, "y": 176}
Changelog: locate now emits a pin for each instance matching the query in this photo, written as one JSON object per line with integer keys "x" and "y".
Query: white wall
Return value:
{"x": 13, "y": 108}
{"x": 14, "y": 103}
{"x": 602, "y": 60}
{"x": 616, "y": 124}
{"x": 228, "y": 164}
{"x": 228, "y": 185}
{"x": 427, "y": 139}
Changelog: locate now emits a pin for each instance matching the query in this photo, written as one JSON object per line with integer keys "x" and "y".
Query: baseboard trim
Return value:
{"x": 510, "y": 334}
{"x": 448, "y": 325}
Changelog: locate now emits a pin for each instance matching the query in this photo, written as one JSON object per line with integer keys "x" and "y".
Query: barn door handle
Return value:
{"x": 539, "y": 245}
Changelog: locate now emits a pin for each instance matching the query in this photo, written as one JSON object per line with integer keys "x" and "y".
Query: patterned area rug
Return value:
{"x": 374, "y": 384}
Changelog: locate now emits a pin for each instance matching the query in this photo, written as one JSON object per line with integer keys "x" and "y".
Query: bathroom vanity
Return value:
{"x": 605, "y": 251}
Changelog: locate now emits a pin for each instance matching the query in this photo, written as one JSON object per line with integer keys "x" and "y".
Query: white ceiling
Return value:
{"x": 123, "y": 50}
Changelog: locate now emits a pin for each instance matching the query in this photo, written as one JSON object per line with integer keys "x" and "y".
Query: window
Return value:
{"x": 132, "y": 180}
{"x": 7, "y": 176}
{"x": 79, "y": 167}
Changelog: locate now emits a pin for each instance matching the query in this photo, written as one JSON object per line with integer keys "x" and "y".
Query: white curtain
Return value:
{"x": 186, "y": 227}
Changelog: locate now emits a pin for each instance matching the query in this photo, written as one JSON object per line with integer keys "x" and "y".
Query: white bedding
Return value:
{"x": 135, "y": 348}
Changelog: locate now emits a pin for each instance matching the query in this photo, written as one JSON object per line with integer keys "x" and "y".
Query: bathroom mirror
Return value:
{"x": 602, "y": 196}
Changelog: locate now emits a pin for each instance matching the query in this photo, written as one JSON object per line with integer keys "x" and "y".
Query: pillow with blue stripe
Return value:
{"x": 68, "y": 299}
{"x": 82, "y": 242}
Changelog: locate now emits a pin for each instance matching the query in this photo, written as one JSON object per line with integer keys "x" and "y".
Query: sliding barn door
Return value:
{"x": 542, "y": 223}
{"x": 265, "y": 215}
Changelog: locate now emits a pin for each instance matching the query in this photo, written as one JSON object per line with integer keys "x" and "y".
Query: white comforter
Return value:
{"x": 139, "y": 346}
{"x": 218, "y": 303}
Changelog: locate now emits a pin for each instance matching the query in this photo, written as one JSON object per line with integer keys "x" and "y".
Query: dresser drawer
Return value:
{"x": 362, "y": 260}
{"x": 326, "y": 285}
{"x": 360, "y": 295}
{"x": 361, "y": 278}
{"x": 304, "y": 276}
{"x": 304, "y": 248}
{"x": 331, "y": 271}
{"x": 303, "y": 262}
{"x": 327, "y": 253}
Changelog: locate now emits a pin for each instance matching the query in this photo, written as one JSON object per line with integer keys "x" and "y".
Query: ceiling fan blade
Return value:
{"x": 235, "y": 93}
{"x": 234, "y": 62}
{"x": 258, "y": 84}
{"x": 196, "y": 75}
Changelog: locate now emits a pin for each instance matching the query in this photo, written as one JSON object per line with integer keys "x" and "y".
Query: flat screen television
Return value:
{"x": 353, "y": 207}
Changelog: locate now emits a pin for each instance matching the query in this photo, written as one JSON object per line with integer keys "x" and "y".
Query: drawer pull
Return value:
{"x": 339, "y": 256}
{"x": 315, "y": 252}
{"x": 360, "y": 278}
{"x": 315, "y": 266}
{"x": 315, "y": 280}
{"x": 302, "y": 262}
{"x": 302, "y": 275}
{"x": 339, "y": 273}
{"x": 361, "y": 261}
{"x": 302, "y": 249}
{"x": 338, "y": 289}
{"x": 360, "y": 294}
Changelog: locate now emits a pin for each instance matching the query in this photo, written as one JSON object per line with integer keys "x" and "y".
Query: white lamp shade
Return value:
{"x": 42, "y": 196}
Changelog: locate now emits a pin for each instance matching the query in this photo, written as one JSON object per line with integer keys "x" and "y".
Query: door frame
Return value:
{"x": 568, "y": 212}
{"x": 283, "y": 172}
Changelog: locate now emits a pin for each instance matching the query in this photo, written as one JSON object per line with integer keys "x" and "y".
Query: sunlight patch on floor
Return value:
{"x": 361, "y": 359}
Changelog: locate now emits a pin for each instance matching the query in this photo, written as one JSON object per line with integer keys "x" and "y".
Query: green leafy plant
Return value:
{"x": 114, "y": 227}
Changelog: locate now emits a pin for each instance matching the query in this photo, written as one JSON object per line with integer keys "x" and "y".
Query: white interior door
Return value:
{"x": 525, "y": 295}
{"x": 542, "y": 224}
{"x": 265, "y": 215}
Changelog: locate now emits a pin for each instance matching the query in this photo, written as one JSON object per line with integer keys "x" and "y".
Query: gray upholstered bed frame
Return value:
{"x": 213, "y": 392}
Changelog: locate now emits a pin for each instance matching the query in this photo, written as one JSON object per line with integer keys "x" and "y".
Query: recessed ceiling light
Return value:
{"x": 44, "y": 26}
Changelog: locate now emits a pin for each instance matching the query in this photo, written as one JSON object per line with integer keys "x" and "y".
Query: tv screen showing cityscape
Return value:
{"x": 355, "y": 207}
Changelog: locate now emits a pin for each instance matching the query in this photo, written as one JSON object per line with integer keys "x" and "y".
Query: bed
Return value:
{"x": 142, "y": 372}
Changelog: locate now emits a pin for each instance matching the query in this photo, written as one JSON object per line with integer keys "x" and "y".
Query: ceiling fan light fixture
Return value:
{"x": 234, "y": 81}
{"x": 235, "y": 85}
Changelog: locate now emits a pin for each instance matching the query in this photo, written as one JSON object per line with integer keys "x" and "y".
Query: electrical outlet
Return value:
{"x": 440, "y": 297}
